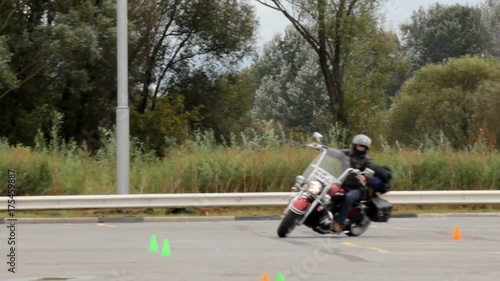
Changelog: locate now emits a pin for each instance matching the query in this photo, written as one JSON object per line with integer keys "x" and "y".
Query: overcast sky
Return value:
{"x": 396, "y": 11}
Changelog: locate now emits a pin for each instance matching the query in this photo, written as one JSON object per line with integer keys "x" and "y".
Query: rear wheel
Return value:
{"x": 356, "y": 229}
{"x": 288, "y": 224}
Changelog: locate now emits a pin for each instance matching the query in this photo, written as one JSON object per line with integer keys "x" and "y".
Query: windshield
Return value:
{"x": 327, "y": 166}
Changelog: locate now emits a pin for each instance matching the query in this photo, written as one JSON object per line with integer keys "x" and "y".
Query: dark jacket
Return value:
{"x": 361, "y": 161}
{"x": 349, "y": 159}
{"x": 356, "y": 161}
{"x": 382, "y": 172}
{"x": 352, "y": 159}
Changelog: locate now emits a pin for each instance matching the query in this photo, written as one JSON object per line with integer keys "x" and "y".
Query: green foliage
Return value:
{"x": 190, "y": 105}
{"x": 33, "y": 171}
{"x": 453, "y": 101}
{"x": 202, "y": 166}
{"x": 167, "y": 125}
{"x": 8, "y": 80}
{"x": 375, "y": 71}
{"x": 224, "y": 102}
{"x": 442, "y": 32}
{"x": 331, "y": 30}
{"x": 61, "y": 57}
{"x": 290, "y": 84}
{"x": 443, "y": 168}
{"x": 175, "y": 40}
{"x": 490, "y": 15}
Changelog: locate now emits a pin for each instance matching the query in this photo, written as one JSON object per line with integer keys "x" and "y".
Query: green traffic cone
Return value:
{"x": 165, "y": 252}
{"x": 153, "y": 245}
{"x": 280, "y": 277}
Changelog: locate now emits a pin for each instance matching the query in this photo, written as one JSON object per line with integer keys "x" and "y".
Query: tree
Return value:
{"x": 490, "y": 14}
{"x": 176, "y": 36}
{"x": 54, "y": 49}
{"x": 224, "y": 101}
{"x": 61, "y": 56}
{"x": 8, "y": 80}
{"x": 330, "y": 28}
{"x": 443, "y": 32}
{"x": 167, "y": 125}
{"x": 377, "y": 68}
{"x": 454, "y": 100}
{"x": 290, "y": 84}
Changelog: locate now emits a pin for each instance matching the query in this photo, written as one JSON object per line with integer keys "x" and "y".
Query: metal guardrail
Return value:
{"x": 230, "y": 200}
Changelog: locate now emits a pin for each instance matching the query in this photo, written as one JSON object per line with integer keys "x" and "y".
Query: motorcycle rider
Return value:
{"x": 359, "y": 159}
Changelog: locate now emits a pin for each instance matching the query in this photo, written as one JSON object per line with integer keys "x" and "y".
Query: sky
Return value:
{"x": 396, "y": 12}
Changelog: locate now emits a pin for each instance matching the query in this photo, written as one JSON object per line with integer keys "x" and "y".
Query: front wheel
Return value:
{"x": 288, "y": 224}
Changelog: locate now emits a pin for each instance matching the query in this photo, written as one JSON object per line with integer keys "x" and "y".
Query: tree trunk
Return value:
{"x": 333, "y": 78}
{"x": 338, "y": 86}
{"x": 147, "y": 78}
{"x": 151, "y": 64}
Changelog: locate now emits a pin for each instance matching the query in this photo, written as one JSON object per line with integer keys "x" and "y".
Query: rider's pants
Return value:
{"x": 350, "y": 198}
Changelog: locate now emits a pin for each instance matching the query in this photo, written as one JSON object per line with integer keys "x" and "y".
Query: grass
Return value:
{"x": 233, "y": 170}
{"x": 257, "y": 163}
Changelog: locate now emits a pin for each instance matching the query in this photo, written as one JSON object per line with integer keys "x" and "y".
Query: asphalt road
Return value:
{"x": 402, "y": 250}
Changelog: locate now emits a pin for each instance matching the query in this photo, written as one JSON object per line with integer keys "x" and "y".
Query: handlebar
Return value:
{"x": 358, "y": 172}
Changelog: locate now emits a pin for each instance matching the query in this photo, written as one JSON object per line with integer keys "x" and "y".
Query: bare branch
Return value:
{"x": 170, "y": 64}
{"x": 3, "y": 3}
{"x": 351, "y": 7}
{"x": 26, "y": 68}
{"x": 145, "y": 41}
{"x": 10, "y": 15}
{"x": 305, "y": 11}
{"x": 296, "y": 5}
{"x": 267, "y": 5}
{"x": 298, "y": 26}
{"x": 174, "y": 55}
{"x": 181, "y": 59}
{"x": 27, "y": 78}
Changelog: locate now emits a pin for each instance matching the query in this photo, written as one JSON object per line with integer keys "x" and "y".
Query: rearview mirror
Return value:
{"x": 300, "y": 180}
{"x": 317, "y": 136}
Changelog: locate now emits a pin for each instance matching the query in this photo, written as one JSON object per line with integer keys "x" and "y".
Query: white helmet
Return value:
{"x": 362, "y": 140}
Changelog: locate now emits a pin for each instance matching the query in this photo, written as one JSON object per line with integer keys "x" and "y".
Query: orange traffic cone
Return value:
{"x": 265, "y": 277}
{"x": 456, "y": 233}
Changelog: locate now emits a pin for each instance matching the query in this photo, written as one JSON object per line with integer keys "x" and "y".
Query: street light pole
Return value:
{"x": 122, "y": 110}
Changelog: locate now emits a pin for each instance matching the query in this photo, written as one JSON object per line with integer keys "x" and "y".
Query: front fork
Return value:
{"x": 310, "y": 209}
{"x": 293, "y": 198}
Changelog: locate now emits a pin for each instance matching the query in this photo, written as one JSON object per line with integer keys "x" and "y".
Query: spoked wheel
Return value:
{"x": 288, "y": 224}
{"x": 356, "y": 229}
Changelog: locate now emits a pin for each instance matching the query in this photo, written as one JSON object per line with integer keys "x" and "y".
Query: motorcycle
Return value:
{"x": 321, "y": 189}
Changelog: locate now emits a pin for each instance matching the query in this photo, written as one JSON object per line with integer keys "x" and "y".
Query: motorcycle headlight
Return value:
{"x": 314, "y": 187}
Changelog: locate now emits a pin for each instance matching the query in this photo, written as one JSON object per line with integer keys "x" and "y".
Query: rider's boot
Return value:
{"x": 337, "y": 227}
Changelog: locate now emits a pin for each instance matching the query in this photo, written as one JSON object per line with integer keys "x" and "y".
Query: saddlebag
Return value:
{"x": 379, "y": 209}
